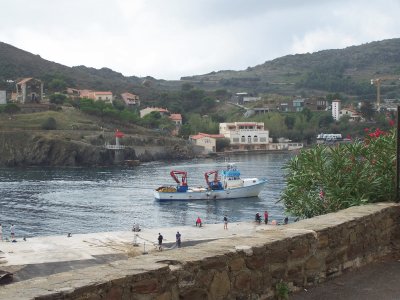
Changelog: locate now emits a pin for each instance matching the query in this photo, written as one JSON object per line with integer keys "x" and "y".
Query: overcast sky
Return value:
{"x": 168, "y": 39}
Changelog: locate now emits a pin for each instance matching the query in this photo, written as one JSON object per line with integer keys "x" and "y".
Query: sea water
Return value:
{"x": 57, "y": 201}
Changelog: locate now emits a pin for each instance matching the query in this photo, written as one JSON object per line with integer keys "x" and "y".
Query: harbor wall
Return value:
{"x": 296, "y": 255}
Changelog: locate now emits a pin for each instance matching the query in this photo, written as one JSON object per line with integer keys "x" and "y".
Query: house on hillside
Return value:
{"x": 177, "y": 119}
{"x": 353, "y": 115}
{"x": 29, "y": 90}
{"x": 105, "y": 96}
{"x": 3, "y": 99}
{"x": 130, "y": 100}
{"x": 207, "y": 141}
{"x": 246, "y": 135}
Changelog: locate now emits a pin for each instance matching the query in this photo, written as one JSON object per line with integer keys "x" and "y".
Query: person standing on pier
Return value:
{"x": 160, "y": 239}
{"x": 178, "y": 239}
{"x": 266, "y": 217}
{"x": 12, "y": 230}
{"x": 225, "y": 222}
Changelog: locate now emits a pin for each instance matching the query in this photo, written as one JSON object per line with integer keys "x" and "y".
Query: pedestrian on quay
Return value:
{"x": 160, "y": 239}
{"x": 198, "y": 222}
{"x": 225, "y": 222}
{"x": 178, "y": 239}
{"x": 12, "y": 230}
{"x": 286, "y": 221}
{"x": 266, "y": 217}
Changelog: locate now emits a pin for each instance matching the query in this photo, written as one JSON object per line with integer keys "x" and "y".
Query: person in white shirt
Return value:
{"x": 12, "y": 230}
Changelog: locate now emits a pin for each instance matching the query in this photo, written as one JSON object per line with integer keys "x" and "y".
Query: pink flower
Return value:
{"x": 391, "y": 122}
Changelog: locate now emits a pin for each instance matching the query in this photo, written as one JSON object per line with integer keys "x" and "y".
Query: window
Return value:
{"x": 255, "y": 139}
{"x": 249, "y": 139}
{"x": 243, "y": 139}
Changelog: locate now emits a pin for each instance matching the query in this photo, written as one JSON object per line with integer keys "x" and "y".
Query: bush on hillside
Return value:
{"x": 327, "y": 179}
{"x": 49, "y": 124}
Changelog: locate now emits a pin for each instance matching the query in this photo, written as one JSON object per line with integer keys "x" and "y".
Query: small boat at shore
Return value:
{"x": 226, "y": 184}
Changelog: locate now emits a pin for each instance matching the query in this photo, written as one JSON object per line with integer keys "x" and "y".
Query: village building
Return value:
{"x": 177, "y": 119}
{"x": 28, "y": 90}
{"x": 130, "y": 100}
{"x": 207, "y": 141}
{"x": 353, "y": 115}
{"x": 246, "y": 135}
{"x": 3, "y": 99}
{"x": 105, "y": 96}
{"x": 336, "y": 108}
{"x": 147, "y": 110}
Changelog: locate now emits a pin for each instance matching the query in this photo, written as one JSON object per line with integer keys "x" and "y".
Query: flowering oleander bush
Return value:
{"x": 326, "y": 179}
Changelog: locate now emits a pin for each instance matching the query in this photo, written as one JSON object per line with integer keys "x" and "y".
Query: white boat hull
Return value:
{"x": 251, "y": 190}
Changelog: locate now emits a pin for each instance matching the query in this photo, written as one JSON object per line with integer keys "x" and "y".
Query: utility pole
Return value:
{"x": 397, "y": 155}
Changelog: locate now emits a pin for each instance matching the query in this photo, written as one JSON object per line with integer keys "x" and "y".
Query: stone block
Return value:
{"x": 194, "y": 294}
{"x": 255, "y": 262}
{"x": 237, "y": 264}
{"x": 146, "y": 286}
{"x": 217, "y": 263}
{"x": 220, "y": 286}
{"x": 242, "y": 281}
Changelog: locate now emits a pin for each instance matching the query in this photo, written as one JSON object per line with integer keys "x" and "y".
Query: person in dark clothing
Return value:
{"x": 178, "y": 239}
{"x": 258, "y": 218}
{"x": 160, "y": 239}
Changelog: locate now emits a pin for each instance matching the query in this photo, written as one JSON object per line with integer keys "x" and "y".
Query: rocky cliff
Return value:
{"x": 24, "y": 148}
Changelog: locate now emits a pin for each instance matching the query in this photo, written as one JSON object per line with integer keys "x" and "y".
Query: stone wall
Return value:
{"x": 299, "y": 254}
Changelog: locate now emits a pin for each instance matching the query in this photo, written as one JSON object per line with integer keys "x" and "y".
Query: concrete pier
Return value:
{"x": 43, "y": 256}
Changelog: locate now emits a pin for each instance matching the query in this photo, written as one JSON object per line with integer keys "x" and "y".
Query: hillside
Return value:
{"x": 347, "y": 71}
{"x": 16, "y": 63}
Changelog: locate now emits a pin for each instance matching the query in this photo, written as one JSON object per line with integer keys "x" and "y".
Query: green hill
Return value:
{"x": 347, "y": 71}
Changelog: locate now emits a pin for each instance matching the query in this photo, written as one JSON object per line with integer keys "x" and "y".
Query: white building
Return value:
{"x": 246, "y": 135}
{"x": 336, "y": 107}
{"x": 103, "y": 96}
{"x": 3, "y": 99}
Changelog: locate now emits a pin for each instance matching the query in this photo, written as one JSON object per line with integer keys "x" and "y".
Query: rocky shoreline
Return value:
{"x": 25, "y": 148}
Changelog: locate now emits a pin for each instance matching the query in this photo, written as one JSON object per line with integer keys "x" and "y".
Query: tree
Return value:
{"x": 367, "y": 110}
{"x": 57, "y": 84}
{"x": 289, "y": 121}
{"x": 57, "y": 98}
{"x": 49, "y": 124}
{"x": 11, "y": 108}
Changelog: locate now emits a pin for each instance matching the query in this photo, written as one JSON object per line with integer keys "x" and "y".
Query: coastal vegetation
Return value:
{"x": 326, "y": 179}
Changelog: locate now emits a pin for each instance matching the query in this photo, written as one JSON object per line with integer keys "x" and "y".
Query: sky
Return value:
{"x": 168, "y": 39}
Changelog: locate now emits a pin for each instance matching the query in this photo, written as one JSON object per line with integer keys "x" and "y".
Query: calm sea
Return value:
{"x": 55, "y": 201}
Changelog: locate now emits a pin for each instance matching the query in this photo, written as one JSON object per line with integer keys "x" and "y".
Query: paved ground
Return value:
{"x": 377, "y": 281}
{"x": 42, "y": 256}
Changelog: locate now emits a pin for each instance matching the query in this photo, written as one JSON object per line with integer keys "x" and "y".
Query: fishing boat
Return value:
{"x": 225, "y": 184}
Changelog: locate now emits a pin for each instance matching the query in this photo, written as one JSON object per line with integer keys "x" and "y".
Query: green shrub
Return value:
{"x": 49, "y": 124}
{"x": 327, "y": 179}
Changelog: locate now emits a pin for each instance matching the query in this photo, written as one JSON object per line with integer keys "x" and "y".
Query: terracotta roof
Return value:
{"x": 203, "y": 135}
{"x": 25, "y": 80}
{"x": 176, "y": 117}
{"x": 103, "y": 93}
